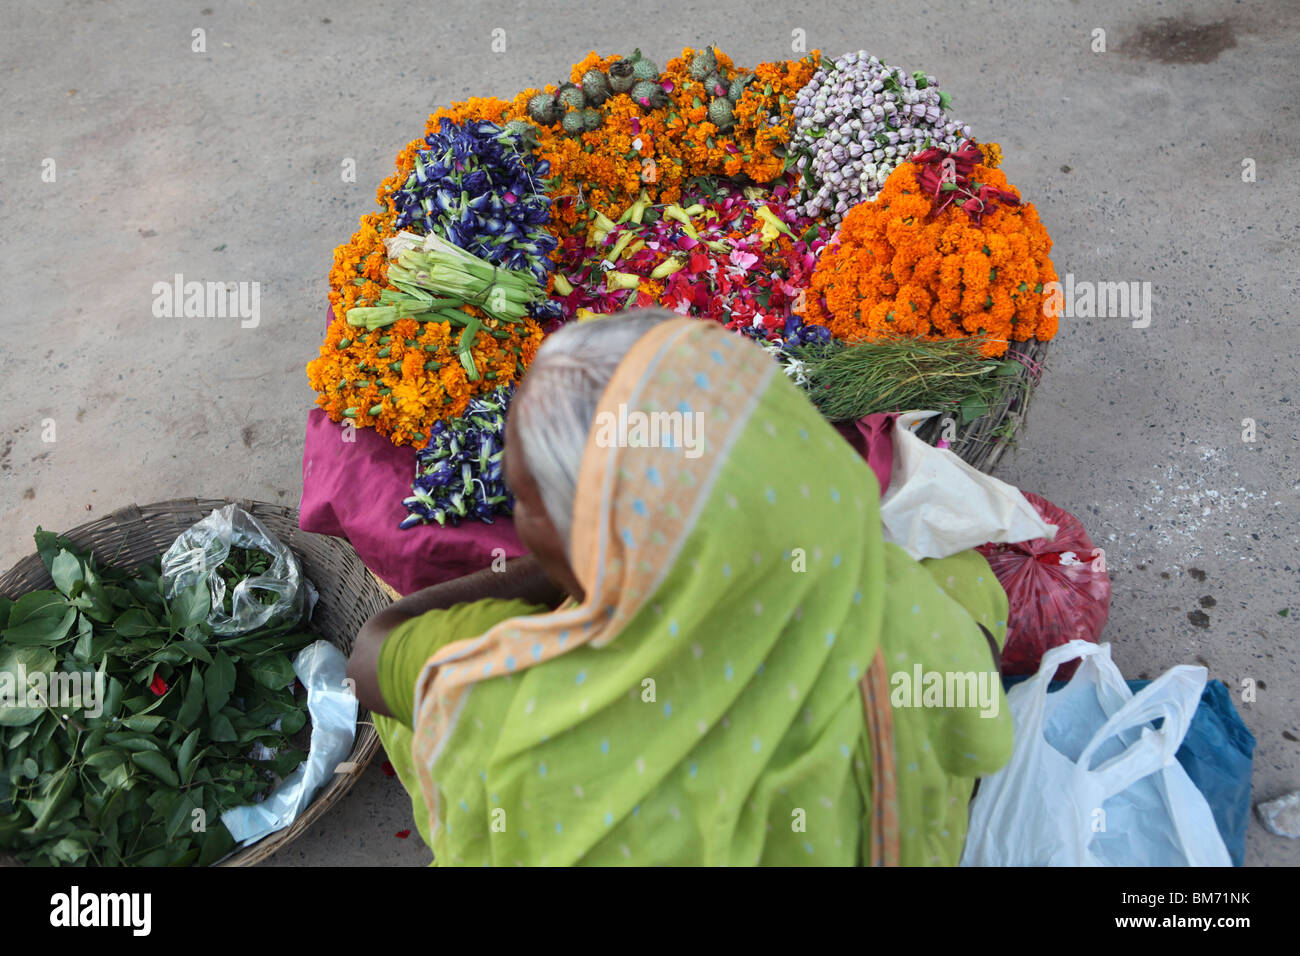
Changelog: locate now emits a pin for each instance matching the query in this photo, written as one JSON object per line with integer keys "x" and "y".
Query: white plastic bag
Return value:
{"x": 1090, "y": 781}
{"x": 937, "y": 505}
{"x": 322, "y": 668}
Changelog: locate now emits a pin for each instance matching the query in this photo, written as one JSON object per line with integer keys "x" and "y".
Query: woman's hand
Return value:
{"x": 521, "y": 579}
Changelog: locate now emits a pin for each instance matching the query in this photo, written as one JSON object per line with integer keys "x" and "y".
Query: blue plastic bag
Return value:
{"x": 1218, "y": 755}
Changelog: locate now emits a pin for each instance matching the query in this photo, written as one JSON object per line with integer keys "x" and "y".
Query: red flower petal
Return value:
{"x": 158, "y": 686}
{"x": 402, "y": 834}
{"x": 387, "y": 768}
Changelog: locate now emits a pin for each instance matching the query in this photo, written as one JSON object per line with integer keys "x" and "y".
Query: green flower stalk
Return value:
{"x": 431, "y": 264}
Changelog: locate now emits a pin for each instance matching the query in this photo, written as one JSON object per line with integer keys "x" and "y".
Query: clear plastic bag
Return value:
{"x": 200, "y": 550}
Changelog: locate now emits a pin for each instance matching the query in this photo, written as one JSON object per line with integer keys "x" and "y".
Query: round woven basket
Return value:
{"x": 981, "y": 442}
{"x": 349, "y": 594}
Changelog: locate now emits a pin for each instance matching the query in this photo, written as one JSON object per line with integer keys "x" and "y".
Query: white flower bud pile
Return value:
{"x": 856, "y": 121}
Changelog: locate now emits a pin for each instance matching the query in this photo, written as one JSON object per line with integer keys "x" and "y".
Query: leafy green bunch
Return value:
{"x": 242, "y": 563}
{"x": 144, "y": 781}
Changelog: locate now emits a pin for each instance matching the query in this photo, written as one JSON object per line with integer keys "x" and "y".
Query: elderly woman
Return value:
{"x": 707, "y": 655}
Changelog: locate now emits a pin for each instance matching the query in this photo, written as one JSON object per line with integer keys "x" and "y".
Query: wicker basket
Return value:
{"x": 349, "y": 594}
{"x": 981, "y": 442}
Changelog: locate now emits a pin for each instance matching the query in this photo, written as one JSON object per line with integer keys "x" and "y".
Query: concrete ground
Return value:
{"x": 227, "y": 165}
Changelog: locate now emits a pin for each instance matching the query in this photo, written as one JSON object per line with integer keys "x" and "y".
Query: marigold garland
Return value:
{"x": 401, "y": 379}
{"x": 754, "y": 146}
{"x": 897, "y": 269}
{"x": 360, "y": 270}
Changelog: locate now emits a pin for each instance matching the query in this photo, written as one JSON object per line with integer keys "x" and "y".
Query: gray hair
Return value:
{"x": 555, "y": 405}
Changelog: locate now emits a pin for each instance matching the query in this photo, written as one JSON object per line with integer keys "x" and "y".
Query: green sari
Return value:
{"x": 735, "y": 688}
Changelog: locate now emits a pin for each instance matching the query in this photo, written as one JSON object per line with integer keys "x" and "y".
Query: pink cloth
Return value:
{"x": 872, "y": 438}
{"x": 354, "y": 490}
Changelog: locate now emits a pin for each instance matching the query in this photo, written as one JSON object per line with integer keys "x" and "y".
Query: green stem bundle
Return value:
{"x": 885, "y": 375}
{"x": 432, "y": 279}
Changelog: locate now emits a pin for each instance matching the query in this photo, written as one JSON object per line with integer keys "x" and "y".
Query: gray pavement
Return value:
{"x": 226, "y": 165}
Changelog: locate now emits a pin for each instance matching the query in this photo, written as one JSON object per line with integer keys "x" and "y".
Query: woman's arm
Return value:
{"x": 522, "y": 579}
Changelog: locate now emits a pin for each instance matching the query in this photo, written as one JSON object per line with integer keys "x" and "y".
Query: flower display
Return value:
{"x": 912, "y": 263}
{"x": 811, "y": 205}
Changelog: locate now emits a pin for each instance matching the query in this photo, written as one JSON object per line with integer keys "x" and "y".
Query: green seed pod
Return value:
{"x": 714, "y": 85}
{"x": 544, "y": 109}
{"x": 737, "y": 89}
{"x": 573, "y": 122}
{"x": 571, "y": 97}
{"x": 595, "y": 86}
{"x": 591, "y": 119}
{"x": 622, "y": 76}
{"x": 702, "y": 63}
{"x": 644, "y": 69}
{"x": 721, "y": 114}
{"x": 649, "y": 95}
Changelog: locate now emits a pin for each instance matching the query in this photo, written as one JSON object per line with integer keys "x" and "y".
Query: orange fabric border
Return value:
{"x": 884, "y": 783}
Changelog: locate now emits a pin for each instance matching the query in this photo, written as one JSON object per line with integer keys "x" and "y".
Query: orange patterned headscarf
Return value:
{"x": 619, "y": 561}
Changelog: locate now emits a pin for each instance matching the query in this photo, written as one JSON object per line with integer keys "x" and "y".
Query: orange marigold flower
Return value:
{"x": 897, "y": 268}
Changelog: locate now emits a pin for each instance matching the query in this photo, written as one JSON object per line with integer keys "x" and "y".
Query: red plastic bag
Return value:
{"x": 1058, "y": 590}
